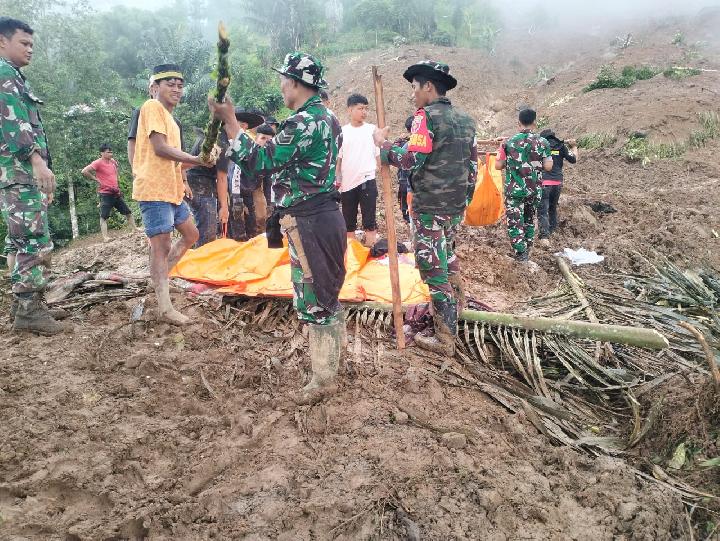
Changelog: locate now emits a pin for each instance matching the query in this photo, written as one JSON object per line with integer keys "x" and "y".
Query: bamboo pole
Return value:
{"x": 223, "y": 82}
{"x": 389, "y": 220}
{"x": 616, "y": 334}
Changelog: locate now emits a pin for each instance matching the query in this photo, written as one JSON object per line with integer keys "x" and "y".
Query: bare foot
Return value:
{"x": 173, "y": 317}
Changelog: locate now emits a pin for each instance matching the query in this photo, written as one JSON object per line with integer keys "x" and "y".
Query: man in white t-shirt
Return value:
{"x": 358, "y": 161}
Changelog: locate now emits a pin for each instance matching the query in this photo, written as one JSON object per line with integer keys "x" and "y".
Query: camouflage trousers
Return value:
{"x": 435, "y": 252}
{"x": 520, "y": 213}
{"x": 24, "y": 209}
{"x": 305, "y": 299}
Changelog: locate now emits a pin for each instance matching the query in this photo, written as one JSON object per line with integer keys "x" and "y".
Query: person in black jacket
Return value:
{"x": 552, "y": 183}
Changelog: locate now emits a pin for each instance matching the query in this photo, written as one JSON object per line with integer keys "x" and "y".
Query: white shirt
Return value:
{"x": 359, "y": 155}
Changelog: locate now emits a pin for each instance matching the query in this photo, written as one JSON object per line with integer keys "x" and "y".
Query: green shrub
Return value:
{"x": 440, "y": 37}
{"x": 709, "y": 130}
{"x": 678, "y": 39}
{"x": 609, "y": 78}
{"x": 680, "y": 73}
{"x": 594, "y": 141}
{"x": 641, "y": 73}
{"x": 643, "y": 150}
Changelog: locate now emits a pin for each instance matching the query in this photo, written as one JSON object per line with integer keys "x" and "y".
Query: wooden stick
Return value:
{"x": 389, "y": 220}
{"x": 709, "y": 356}
{"x": 572, "y": 282}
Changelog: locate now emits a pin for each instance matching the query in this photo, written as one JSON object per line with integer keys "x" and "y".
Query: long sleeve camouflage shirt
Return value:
{"x": 22, "y": 130}
{"x": 442, "y": 156}
{"x": 301, "y": 157}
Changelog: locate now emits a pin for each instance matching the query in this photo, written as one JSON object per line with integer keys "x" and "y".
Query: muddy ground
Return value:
{"x": 148, "y": 431}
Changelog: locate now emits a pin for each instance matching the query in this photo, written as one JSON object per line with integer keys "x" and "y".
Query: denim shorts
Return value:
{"x": 161, "y": 217}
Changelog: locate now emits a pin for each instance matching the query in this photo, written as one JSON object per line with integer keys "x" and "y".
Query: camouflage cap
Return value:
{"x": 304, "y": 67}
{"x": 434, "y": 71}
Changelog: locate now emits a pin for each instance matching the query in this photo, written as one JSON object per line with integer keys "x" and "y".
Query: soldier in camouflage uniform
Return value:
{"x": 442, "y": 155}
{"x": 301, "y": 157}
{"x": 524, "y": 157}
{"x": 26, "y": 182}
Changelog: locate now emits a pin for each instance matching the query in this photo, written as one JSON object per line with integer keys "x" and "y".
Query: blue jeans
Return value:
{"x": 205, "y": 211}
{"x": 162, "y": 217}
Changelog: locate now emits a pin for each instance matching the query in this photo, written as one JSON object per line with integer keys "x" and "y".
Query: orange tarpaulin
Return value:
{"x": 251, "y": 268}
{"x": 486, "y": 206}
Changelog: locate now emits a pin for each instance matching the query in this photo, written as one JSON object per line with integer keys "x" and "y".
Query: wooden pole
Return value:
{"x": 73, "y": 212}
{"x": 389, "y": 220}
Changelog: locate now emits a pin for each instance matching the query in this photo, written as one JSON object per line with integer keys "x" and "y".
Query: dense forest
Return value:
{"x": 91, "y": 67}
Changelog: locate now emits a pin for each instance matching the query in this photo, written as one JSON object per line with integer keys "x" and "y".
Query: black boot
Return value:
{"x": 445, "y": 323}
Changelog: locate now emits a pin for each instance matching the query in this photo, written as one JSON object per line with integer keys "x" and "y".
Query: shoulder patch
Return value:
{"x": 420, "y": 140}
{"x": 286, "y": 133}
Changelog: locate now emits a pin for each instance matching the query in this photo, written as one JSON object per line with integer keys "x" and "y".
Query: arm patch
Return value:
{"x": 420, "y": 139}
{"x": 287, "y": 133}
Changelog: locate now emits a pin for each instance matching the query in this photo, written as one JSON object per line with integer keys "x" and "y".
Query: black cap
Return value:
{"x": 166, "y": 71}
{"x": 265, "y": 129}
{"x": 253, "y": 119}
{"x": 432, "y": 71}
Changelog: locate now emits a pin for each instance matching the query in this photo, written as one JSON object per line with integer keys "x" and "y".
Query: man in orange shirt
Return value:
{"x": 158, "y": 186}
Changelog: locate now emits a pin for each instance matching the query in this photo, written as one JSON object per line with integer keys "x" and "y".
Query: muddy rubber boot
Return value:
{"x": 459, "y": 291}
{"x": 325, "y": 351}
{"x": 32, "y": 315}
{"x": 445, "y": 323}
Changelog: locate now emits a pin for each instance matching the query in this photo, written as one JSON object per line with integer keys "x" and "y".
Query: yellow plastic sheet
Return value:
{"x": 251, "y": 268}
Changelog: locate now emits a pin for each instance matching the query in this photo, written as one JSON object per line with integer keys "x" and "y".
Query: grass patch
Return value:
{"x": 709, "y": 130}
{"x": 609, "y": 78}
{"x": 542, "y": 122}
{"x": 680, "y": 73}
{"x": 594, "y": 141}
{"x": 643, "y": 150}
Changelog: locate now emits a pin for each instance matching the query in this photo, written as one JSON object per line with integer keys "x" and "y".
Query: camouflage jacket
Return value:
{"x": 442, "y": 156}
{"x": 524, "y": 155}
{"x": 22, "y": 130}
{"x": 301, "y": 157}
